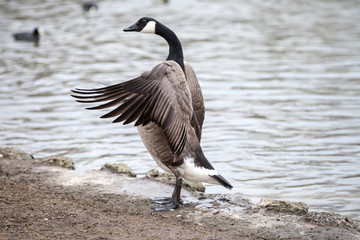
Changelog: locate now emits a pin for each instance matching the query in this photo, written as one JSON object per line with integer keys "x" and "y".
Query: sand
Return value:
{"x": 39, "y": 201}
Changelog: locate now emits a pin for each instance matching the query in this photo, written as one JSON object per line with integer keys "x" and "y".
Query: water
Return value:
{"x": 280, "y": 81}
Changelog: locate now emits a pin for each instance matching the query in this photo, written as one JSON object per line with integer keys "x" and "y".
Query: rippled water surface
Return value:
{"x": 281, "y": 81}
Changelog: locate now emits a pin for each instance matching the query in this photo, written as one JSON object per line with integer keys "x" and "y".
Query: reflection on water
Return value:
{"x": 280, "y": 81}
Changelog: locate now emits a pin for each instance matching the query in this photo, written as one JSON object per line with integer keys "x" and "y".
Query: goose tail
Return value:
{"x": 222, "y": 181}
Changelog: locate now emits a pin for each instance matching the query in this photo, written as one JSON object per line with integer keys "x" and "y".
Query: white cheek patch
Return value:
{"x": 149, "y": 28}
{"x": 41, "y": 31}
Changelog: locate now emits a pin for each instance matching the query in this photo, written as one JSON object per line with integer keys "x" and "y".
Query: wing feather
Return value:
{"x": 130, "y": 109}
{"x": 197, "y": 100}
{"x": 161, "y": 96}
{"x": 119, "y": 110}
{"x": 136, "y": 111}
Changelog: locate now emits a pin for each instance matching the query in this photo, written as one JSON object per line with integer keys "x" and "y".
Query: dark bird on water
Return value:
{"x": 90, "y": 6}
{"x": 32, "y": 36}
{"x": 167, "y": 106}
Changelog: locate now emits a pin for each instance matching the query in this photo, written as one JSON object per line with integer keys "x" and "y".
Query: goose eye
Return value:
{"x": 143, "y": 21}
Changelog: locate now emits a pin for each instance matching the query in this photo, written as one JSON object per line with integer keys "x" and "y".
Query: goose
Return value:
{"x": 33, "y": 36}
{"x": 168, "y": 107}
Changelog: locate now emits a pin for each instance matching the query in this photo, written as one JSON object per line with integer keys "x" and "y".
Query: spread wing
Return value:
{"x": 161, "y": 96}
{"x": 197, "y": 100}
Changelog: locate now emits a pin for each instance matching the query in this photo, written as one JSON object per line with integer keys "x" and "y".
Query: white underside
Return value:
{"x": 190, "y": 172}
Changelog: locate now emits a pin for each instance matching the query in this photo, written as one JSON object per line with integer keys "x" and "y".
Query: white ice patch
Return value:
{"x": 149, "y": 27}
{"x": 196, "y": 174}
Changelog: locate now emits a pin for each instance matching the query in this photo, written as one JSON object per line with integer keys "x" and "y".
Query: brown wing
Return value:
{"x": 161, "y": 96}
{"x": 197, "y": 100}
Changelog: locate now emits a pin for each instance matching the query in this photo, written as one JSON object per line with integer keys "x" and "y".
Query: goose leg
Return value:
{"x": 170, "y": 203}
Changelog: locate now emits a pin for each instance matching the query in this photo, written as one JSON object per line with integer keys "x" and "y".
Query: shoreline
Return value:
{"x": 42, "y": 201}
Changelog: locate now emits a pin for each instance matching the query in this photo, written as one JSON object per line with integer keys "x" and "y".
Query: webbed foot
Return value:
{"x": 169, "y": 203}
{"x": 166, "y": 207}
{"x": 164, "y": 200}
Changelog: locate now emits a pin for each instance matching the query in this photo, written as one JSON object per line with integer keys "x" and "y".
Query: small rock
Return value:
{"x": 119, "y": 168}
{"x": 15, "y": 154}
{"x": 332, "y": 220}
{"x": 297, "y": 208}
{"x": 237, "y": 199}
{"x": 168, "y": 178}
{"x": 153, "y": 173}
{"x": 60, "y": 161}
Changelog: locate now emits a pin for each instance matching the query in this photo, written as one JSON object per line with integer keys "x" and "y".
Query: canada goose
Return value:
{"x": 33, "y": 36}
{"x": 168, "y": 107}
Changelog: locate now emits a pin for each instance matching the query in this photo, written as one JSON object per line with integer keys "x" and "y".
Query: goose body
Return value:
{"x": 32, "y": 36}
{"x": 167, "y": 107}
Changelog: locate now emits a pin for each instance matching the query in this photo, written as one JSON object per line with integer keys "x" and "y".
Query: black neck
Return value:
{"x": 175, "y": 49}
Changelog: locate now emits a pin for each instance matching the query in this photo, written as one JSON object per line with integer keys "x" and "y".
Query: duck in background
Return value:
{"x": 31, "y": 36}
{"x": 90, "y": 6}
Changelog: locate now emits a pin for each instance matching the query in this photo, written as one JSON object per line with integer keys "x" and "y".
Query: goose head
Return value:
{"x": 144, "y": 25}
{"x": 150, "y": 25}
{"x": 38, "y": 31}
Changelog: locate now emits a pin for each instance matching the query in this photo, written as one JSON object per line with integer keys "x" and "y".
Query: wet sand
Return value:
{"x": 50, "y": 202}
